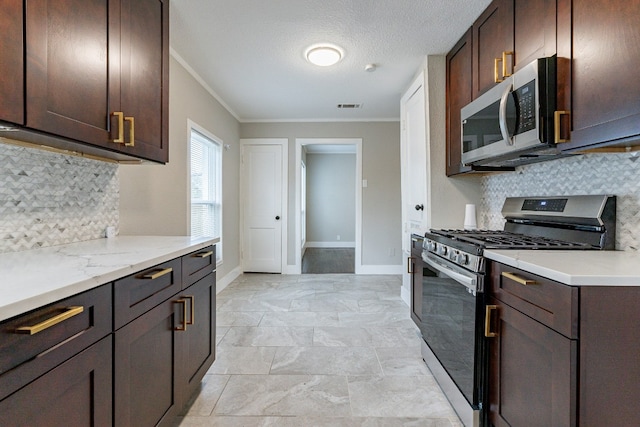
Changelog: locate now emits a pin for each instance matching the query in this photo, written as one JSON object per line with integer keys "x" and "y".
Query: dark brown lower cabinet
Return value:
{"x": 148, "y": 356}
{"x": 561, "y": 355}
{"x": 75, "y": 393}
{"x": 163, "y": 355}
{"x": 200, "y": 337}
{"x": 532, "y": 372}
{"x": 415, "y": 266}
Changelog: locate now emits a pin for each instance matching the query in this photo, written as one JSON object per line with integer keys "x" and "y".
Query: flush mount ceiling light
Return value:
{"x": 324, "y": 55}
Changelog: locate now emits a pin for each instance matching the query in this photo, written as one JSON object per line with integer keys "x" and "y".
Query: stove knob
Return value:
{"x": 443, "y": 250}
{"x": 431, "y": 246}
{"x": 453, "y": 256}
{"x": 463, "y": 259}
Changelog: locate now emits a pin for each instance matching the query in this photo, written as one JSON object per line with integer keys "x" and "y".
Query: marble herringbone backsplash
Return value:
{"x": 48, "y": 199}
{"x": 616, "y": 174}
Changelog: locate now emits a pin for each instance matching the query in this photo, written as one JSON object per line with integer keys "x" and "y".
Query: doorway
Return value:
{"x": 328, "y": 205}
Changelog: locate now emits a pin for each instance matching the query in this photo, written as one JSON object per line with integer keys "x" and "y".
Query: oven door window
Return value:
{"x": 450, "y": 326}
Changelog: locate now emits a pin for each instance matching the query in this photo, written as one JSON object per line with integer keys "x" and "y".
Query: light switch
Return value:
{"x": 364, "y": 183}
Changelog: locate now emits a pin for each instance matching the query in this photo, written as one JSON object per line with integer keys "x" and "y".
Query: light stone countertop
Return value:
{"x": 575, "y": 268}
{"x": 34, "y": 278}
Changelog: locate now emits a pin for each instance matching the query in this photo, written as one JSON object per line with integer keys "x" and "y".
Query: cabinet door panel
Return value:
{"x": 459, "y": 94}
{"x": 76, "y": 393}
{"x": 532, "y": 373}
{"x": 71, "y": 85}
{"x": 200, "y": 346}
{"x": 534, "y": 30}
{"x": 606, "y": 59}
{"x": 148, "y": 355}
{"x": 145, "y": 71}
{"x": 492, "y": 35}
{"x": 11, "y": 62}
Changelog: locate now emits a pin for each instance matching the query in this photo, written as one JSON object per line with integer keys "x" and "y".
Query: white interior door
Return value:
{"x": 416, "y": 159}
{"x": 262, "y": 211}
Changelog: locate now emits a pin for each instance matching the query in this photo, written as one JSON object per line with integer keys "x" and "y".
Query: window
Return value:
{"x": 206, "y": 185}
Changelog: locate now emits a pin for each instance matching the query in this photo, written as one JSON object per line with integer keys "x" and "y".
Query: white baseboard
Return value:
{"x": 330, "y": 245}
{"x": 380, "y": 269}
{"x": 223, "y": 282}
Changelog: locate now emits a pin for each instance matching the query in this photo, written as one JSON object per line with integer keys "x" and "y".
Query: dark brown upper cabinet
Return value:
{"x": 492, "y": 45}
{"x": 605, "y": 90}
{"x": 509, "y": 35}
{"x": 11, "y": 62}
{"x": 459, "y": 94}
{"x": 97, "y": 72}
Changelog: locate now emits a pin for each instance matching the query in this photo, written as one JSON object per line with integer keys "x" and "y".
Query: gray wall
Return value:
{"x": 154, "y": 199}
{"x": 381, "y": 214}
{"x": 331, "y": 197}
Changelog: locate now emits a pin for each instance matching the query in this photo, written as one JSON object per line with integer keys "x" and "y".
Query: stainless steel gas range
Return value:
{"x": 451, "y": 312}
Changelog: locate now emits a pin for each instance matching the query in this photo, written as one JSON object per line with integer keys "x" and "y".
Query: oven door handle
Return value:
{"x": 469, "y": 282}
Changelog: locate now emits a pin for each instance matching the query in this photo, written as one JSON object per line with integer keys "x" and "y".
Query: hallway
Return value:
{"x": 317, "y": 350}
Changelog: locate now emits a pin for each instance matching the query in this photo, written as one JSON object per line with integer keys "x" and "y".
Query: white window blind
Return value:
{"x": 206, "y": 182}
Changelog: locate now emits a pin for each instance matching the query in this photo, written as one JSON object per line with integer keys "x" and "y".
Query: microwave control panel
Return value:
{"x": 525, "y": 100}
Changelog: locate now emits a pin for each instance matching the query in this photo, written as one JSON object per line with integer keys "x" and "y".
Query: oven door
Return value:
{"x": 451, "y": 326}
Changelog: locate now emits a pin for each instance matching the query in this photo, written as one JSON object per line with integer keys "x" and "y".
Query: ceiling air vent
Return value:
{"x": 350, "y": 106}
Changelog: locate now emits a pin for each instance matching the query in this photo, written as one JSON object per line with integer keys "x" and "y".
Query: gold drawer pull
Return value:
{"x": 120, "y": 138}
{"x": 487, "y": 321}
{"x": 184, "y": 315}
{"x": 518, "y": 279}
{"x": 505, "y": 73}
{"x": 556, "y": 125}
{"x": 193, "y": 310}
{"x": 157, "y": 274}
{"x": 132, "y": 132}
{"x": 496, "y": 68}
{"x": 202, "y": 254}
{"x": 410, "y": 264}
{"x": 68, "y": 313}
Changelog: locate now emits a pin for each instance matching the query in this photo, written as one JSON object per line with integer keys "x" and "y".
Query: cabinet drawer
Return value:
{"x": 550, "y": 303}
{"x": 33, "y": 343}
{"x": 136, "y": 294}
{"x": 197, "y": 265}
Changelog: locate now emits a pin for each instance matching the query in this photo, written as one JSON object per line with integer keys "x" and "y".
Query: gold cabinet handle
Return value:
{"x": 184, "y": 315}
{"x": 132, "y": 132}
{"x": 68, "y": 313}
{"x": 487, "y": 321}
{"x": 120, "y": 138}
{"x": 505, "y": 73}
{"x": 157, "y": 274}
{"x": 410, "y": 264}
{"x": 496, "y": 68}
{"x": 202, "y": 254}
{"x": 518, "y": 279}
{"x": 193, "y": 310}
{"x": 556, "y": 125}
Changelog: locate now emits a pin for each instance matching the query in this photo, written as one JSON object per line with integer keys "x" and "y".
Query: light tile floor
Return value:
{"x": 317, "y": 350}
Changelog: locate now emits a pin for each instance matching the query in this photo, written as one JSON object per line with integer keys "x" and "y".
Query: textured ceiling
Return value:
{"x": 250, "y": 53}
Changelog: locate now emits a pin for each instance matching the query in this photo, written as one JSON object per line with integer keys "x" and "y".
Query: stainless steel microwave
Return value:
{"x": 513, "y": 122}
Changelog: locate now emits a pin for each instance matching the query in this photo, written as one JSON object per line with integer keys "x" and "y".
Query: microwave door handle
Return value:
{"x": 468, "y": 282}
{"x": 502, "y": 116}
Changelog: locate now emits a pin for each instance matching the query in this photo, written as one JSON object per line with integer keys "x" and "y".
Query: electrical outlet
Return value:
{"x": 338, "y": 237}
{"x": 392, "y": 252}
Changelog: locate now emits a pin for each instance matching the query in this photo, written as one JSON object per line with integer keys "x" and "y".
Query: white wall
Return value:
{"x": 154, "y": 199}
{"x": 381, "y": 221}
{"x": 331, "y": 199}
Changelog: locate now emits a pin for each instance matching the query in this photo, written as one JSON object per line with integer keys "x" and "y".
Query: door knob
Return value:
{"x": 419, "y": 207}
{"x": 277, "y": 217}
